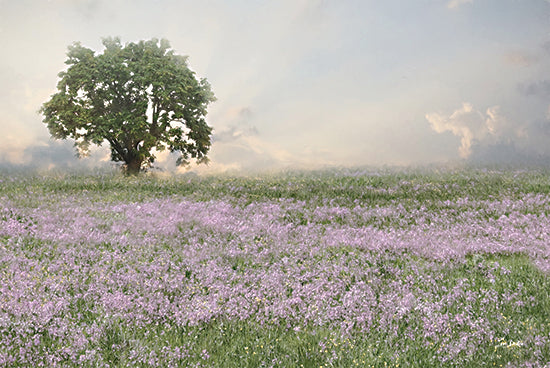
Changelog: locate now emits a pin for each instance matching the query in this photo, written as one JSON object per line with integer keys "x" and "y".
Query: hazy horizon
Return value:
{"x": 308, "y": 83}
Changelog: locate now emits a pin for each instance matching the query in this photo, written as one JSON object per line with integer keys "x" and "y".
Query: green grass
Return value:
{"x": 337, "y": 186}
{"x": 223, "y": 343}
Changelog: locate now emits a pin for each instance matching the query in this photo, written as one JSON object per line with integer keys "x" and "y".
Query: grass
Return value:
{"x": 487, "y": 309}
{"x": 222, "y": 343}
{"x": 340, "y": 186}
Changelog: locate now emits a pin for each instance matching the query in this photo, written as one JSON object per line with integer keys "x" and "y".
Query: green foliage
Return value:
{"x": 108, "y": 97}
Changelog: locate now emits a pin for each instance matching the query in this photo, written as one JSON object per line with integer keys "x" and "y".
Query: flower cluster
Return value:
{"x": 73, "y": 270}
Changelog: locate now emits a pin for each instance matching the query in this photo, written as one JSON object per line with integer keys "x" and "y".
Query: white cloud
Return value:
{"x": 473, "y": 126}
{"x": 466, "y": 123}
{"x": 492, "y": 134}
{"x": 453, "y": 4}
{"x": 496, "y": 124}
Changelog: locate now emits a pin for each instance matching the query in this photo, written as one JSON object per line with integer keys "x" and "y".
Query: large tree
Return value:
{"x": 141, "y": 98}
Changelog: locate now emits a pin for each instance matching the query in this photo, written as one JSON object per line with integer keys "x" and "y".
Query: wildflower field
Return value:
{"x": 319, "y": 269}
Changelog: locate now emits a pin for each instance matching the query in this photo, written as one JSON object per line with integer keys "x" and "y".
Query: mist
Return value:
{"x": 307, "y": 84}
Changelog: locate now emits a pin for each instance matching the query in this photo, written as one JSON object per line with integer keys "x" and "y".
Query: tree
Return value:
{"x": 141, "y": 98}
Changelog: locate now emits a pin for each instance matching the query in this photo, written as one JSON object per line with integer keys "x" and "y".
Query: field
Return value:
{"x": 417, "y": 268}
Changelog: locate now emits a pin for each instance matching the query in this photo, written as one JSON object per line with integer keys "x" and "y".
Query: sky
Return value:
{"x": 307, "y": 83}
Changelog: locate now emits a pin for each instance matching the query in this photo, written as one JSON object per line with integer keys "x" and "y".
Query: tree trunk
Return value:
{"x": 133, "y": 167}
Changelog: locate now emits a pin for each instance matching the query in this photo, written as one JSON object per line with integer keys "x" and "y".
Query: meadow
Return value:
{"x": 341, "y": 268}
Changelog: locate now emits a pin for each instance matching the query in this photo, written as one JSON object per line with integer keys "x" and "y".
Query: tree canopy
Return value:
{"x": 141, "y": 98}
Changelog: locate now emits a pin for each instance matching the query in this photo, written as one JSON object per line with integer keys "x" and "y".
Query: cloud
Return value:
{"x": 53, "y": 154}
{"x": 509, "y": 154}
{"x": 466, "y": 123}
{"x": 536, "y": 137}
{"x": 454, "y": 4}
{"x": 520, "y": 58}
{"x": 490, "y": 137}
{"x": 528, "y": 148}
{"x": 474, "y": 127}
{"x": 246, "y": 153}
{"x": 239, "y": 125}
{"x": 540, "y": 88}
{"x": 18, "y": 120}
{"x": 497, "y": 125}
